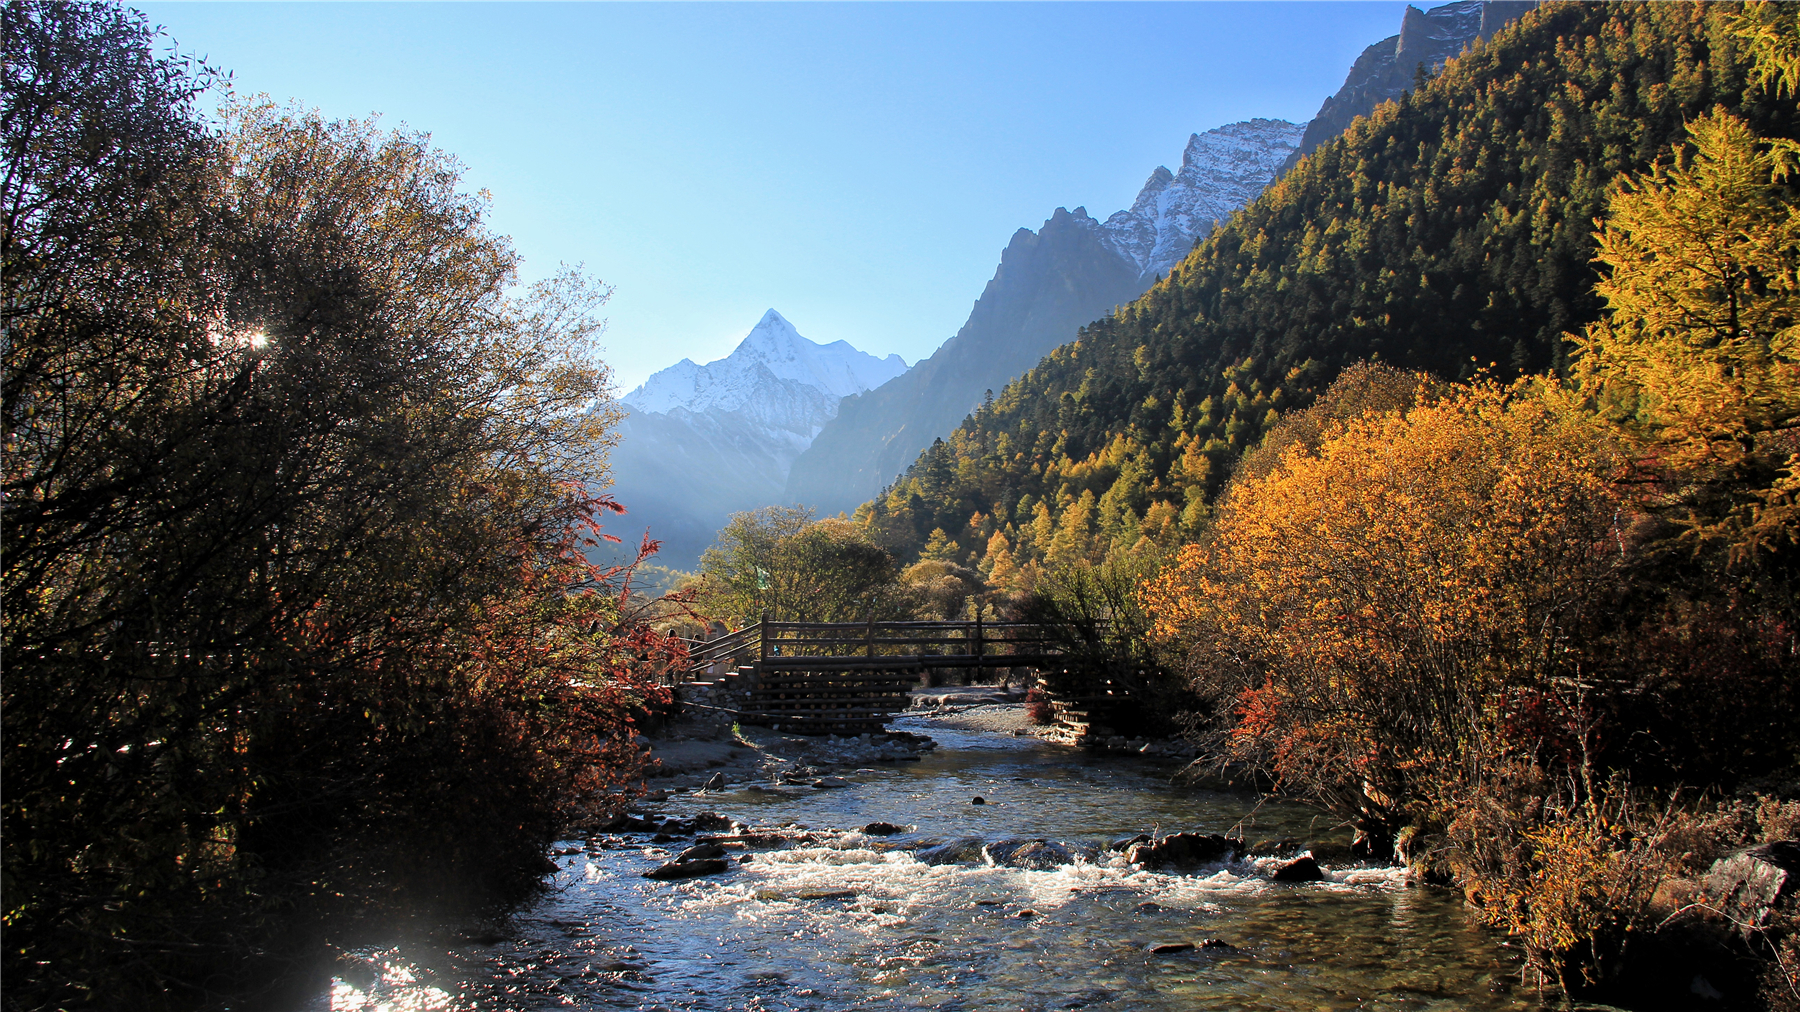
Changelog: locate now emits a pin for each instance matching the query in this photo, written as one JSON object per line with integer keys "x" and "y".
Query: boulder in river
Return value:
{"x": 1039, "y": 855}
{"x": 713, "y": 822}
{"x": 1184, "y": 850}
{"x": 882, "y": 829}
{"x": 831, "y": 782}
{"x": 1300, "y": 869}
{"x": 1749, "y": 885}
{"x": 962, "y": 850}
{"x": 687, "y": 869}
{"x": 701, "y": 852}
{"x": 1169, "y": 948}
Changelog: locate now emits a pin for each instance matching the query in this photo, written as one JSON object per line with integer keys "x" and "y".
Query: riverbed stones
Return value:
{"x": 831, "y": 782}
{"x": 962, "y": 850}
{"x": 1037, "y": 855}
{"x": 687, "y": 869}
{"x": 1749, "y": 885}
{"x": 1300, "y": 869}
{"x": 882, "y": 829}
{"x": 1184, "y": 850}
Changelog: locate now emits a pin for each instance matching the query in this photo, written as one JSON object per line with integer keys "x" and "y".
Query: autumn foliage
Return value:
{"x": 1368, "y": 603}
{"x": 299, "y": 633}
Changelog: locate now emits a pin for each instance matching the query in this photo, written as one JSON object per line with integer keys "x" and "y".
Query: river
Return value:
{"x": 847, "y": 921}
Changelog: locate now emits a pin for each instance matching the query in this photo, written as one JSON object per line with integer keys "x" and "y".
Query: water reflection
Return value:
{"x": 846, "y": 921}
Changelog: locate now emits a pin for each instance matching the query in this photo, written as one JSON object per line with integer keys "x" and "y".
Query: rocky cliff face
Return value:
{"x": 1388, "y": 69}
{"x": 701, "y": 442}
{"x": 1049, "y": 284}
{"x": 1221, "y": 171}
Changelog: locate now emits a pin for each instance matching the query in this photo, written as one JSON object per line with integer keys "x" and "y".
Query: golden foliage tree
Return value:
{"x": 1699, "y": 355}
{"x": 1370, "y": 599}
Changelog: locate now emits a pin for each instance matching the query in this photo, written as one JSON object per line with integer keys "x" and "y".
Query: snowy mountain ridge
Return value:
{"x": 774, "y": 375}
{"x": 1221, "y": 170}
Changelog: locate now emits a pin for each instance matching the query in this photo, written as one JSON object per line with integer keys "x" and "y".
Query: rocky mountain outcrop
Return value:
{"x": 1389, "y": 68}
{"x": 1221, "y": 170}
{"x": 1069, "y": 272}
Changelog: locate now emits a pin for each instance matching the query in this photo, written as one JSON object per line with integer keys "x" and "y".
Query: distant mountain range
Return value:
{"x": 703, "y": 441}
{"x": 766, "y": 425}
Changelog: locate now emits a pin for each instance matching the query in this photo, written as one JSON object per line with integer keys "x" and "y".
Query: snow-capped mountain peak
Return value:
{"x": 773, "y": 353}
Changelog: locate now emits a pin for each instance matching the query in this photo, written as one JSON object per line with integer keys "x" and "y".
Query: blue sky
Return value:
{"x": 858, "y": 167}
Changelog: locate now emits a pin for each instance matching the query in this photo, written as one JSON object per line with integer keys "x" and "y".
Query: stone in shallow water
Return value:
{"x": 882, "y": 829}
{"x": 1040, "y": 855}
{"x": 1168, "y": 948}
{"x": 1300, "y": 869}
{"x": 687, "y": 869}
{"x": 1184, "y": 850}
{"x": 701, "y": 852}
{"x": 963, "y": 850}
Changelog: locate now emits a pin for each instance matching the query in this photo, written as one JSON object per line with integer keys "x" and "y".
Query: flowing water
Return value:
{"x": 847, "y": 921}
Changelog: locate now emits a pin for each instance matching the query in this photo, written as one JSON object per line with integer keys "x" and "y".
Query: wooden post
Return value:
{"x": 762, "y": 638}
{"x": 871, "y": 633}
{"x": 978, "y": 640}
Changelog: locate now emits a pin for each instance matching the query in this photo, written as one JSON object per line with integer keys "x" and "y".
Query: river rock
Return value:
{"x": 962, "y": 850}
{"x": 1125, "y": 843}
{"x": 716, "y": 782}
{"x": 713, "y": 822}
{"x": 1283, "y": 847}
{"x": 1300, "y": 869}
{"x": 628, "y": 824}
{"x": 1169, "y": 948}
{"x": 831, "y": 782}
{"x": 1750, "y": 884}
{"x": 687, "y": 869}
{"x": 1219, "y": 945}
{"x": 882, "y": 829}
{"x": 1038, "y": 855}
{"x": 1184, "y": 850}
{"x": 701, "y": 852}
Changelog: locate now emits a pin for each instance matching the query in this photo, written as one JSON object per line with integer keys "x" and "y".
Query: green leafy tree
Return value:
{"x": 780, "y": 562}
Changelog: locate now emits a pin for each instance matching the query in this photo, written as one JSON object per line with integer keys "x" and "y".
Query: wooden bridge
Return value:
{"x": 849, "y": 677}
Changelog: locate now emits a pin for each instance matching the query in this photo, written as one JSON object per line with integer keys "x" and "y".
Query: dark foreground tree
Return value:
{"x": 297, "y": 627}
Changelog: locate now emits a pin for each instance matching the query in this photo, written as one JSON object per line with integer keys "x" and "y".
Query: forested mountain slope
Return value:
{"x": 1449, "y": 231}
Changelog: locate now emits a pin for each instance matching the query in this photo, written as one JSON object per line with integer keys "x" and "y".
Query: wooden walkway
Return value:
{"x": 850, "y": 677}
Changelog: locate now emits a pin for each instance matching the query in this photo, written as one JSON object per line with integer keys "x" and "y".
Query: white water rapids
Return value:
{"x": 849, "y": 922}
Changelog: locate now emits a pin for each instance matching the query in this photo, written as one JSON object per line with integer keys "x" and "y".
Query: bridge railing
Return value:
{"x": 973, "y": 643}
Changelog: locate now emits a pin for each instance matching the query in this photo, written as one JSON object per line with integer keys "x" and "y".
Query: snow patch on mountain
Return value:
{"x": 1221, "y": 171}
